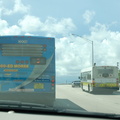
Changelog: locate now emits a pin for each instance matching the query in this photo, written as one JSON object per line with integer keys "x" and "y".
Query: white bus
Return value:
{"x": 100, "y": 78}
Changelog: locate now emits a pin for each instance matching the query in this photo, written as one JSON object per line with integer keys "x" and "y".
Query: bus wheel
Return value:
{"x": 82, "y": 87}
{"x": 88, "y": 88}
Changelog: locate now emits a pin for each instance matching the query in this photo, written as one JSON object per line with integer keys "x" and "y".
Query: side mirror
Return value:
{"x": 79, "y": 77}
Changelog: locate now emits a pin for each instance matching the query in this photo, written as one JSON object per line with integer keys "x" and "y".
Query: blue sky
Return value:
{"x": 96, "y": 20}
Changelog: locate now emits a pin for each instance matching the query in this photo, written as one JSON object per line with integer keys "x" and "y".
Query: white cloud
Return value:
{"x": 5, "y": 29}
{"x": 106, "y": 44}
{"x": 33, "y": 25}
{"x": 0, "y": 9}
{"x": 74, "y": 53}
{"x": 71, "y": 55}
{"x": 54, "y": 26}
{"x": 13, "y": 30}
{"x": 99, "y": 27}
{"x": 50, "y": 26}
{"x": 3, "y": 24}
{"x": 30, "y": 24}
{"x": 29, "y": 34}
{"x": 88, "y": 16}
{"x": 18, "y": 7}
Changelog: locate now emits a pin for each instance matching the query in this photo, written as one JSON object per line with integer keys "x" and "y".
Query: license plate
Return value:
{"x": 38, "y": 86}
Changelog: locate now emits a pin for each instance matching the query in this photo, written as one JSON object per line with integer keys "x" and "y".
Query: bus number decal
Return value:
{"x": 22, "y": 41}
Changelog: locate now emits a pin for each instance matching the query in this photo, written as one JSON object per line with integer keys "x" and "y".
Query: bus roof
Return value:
{"x": 90, "y": 68}
{"x": 27, "y": 36}
{"x": 86, "y": 69}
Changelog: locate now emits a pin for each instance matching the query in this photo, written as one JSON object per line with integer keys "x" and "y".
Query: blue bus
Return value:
{"x": 27, "y": 69}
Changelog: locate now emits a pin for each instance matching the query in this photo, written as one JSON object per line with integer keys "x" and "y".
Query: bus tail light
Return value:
{"x": 17, "y": 61}
{"x": 93, "y": 82}
{"x": 117, "y": 81}
{"x": 53, "y": 84}
{"x": 52, "y": 81}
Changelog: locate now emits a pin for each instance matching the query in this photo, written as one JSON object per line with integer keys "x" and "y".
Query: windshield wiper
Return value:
{"x": 17, "y": 105}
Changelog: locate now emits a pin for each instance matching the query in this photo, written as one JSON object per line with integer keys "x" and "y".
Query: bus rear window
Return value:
{"x": 105, "y": 72}
{"x": 101, "y": 71}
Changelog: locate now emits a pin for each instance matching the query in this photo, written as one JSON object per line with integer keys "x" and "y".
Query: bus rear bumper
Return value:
{"x": 107, "y": 88}
{"x": 104, "y": 89}
{"x": 29, "y": 97}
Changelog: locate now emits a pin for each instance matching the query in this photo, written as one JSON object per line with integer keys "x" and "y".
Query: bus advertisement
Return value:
{"x": 100, "y": 78}
{"x": 27, "y": 69}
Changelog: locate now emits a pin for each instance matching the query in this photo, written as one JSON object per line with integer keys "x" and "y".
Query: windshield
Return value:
{"x": 105, "y": 72}
{"x": 44, "y": 47}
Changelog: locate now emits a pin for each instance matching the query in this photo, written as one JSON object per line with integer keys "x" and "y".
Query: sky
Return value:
{"x": 74, "y": 24}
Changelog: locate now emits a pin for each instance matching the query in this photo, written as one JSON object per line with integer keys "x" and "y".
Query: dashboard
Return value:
{"x": 11, "y": 115}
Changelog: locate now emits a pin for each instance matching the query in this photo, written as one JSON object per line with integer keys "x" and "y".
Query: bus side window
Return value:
{"x": 81, "y": 76}
{"x": 86, "y": 76}
{"x": 89, "y": 76}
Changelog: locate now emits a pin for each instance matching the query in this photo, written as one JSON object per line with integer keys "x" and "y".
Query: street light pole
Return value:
{"x": 92, "y": 54}
{"x": 92, "y": 47}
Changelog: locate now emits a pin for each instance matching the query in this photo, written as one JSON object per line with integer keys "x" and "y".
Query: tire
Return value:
{"x": 89, "y": 88}
{"x": 82, "y": 87}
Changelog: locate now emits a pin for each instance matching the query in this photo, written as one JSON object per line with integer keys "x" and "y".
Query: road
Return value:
{"x": 75, "y": 98}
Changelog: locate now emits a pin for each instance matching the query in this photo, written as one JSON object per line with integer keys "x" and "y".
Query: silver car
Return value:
{"x": 76, "y": 84}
